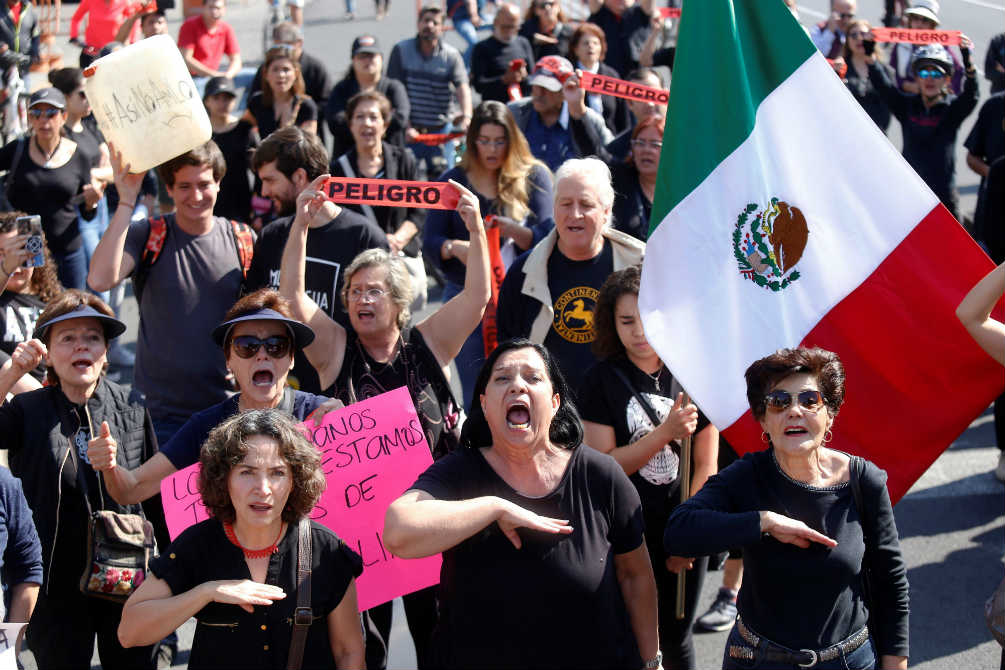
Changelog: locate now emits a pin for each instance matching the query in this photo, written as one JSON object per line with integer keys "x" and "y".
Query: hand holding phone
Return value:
{"x": 32, "y": 227}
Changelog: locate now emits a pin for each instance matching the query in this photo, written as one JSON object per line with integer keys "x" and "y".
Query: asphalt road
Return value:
{"x": 951, "y": 520}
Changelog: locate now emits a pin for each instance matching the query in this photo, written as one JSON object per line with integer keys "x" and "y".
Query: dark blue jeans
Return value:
{"x": 863, "y": 658}
{"x": 71, "y": 268}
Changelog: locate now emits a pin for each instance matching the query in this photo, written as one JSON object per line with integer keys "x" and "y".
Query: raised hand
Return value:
{"x": 467, "y": 209}
{"x": 245, "y": 593}
{"x": 310, "y": 203}
{"x": 27, "y": 356}
{"x": 513, "y": 516}
{"x": 103, "y": 450}
{"x": 792, "y": 531}
{"x": 128, "y": 183}
{"x": 13, "y": 254}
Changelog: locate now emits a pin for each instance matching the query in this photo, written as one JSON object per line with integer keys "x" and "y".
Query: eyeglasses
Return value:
{"x": 856, "y": 35}
{"x": 372, "y": 294}
{"x": 930, "y": 74}
{"x": 485, "y": 142}
{"x": 779, "y": 401}
{"x": 246, "y": 346}
{"x": 39, "y": 113}
{"x": 648, "y": 144}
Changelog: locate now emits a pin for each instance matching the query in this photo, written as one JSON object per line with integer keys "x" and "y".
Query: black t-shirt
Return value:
{"x": 229, "y": 637}
{"x": 987, "y": 138}
{"x": 414, "y": 366}
{"x": 18, "y": 314}
{"x": 607, "y": 400}
{"x": 234, "y": 200}
{"x": 330, "y": 249}
{"x": 632, "y": 208}
{"x": 490, "y": 61}
{"x": 89, "y": 141}
{"x": 625, "y": 36}
{"x": 493, "y": 597}
{"x": 265, "y": 115}
{"x": 574, "y": 286}
{"x": 48, "y": 192}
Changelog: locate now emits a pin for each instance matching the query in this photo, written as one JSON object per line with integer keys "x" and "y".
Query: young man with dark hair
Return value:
{"x": 287, "y": 162}
{"x": 187, "y": 268}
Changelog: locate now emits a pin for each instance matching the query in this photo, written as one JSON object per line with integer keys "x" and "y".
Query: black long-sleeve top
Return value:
{"x": 802, "y": 598}
{"x": 490, "y": 61}
{"x": 929, "y": 134}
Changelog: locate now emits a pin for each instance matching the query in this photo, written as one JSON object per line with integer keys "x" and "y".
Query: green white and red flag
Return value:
{"x": 784, "y": 217}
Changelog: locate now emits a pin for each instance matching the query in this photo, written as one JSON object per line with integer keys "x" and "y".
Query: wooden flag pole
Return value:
{"x": 684, "y": 474}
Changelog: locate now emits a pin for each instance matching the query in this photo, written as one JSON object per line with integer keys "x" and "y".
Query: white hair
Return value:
{"x": 589, "y": 171}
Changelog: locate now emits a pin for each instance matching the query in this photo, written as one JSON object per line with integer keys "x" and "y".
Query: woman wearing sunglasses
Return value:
{"x": 259, "y": 337}
{"x": 821, "y": 556}
{"x": 50, "y": 176}
{"x": 931, "y": 118}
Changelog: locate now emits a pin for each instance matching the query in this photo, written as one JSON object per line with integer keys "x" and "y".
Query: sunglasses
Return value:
{"x": 779, "y": 401}
{"x": 930, "y": 74}
{"x": 246, "y": 346}
{"x": 847, "y": 15}
{"x": 545, "y": 5}
{"x": 39, "y": 113}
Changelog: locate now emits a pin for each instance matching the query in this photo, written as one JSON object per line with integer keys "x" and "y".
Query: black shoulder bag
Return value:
{"x": 856, "y": 468}
{"x": 303, "y": 616}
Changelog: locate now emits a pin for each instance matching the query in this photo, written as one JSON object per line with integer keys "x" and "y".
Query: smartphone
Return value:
{"x": 32, "y": 226}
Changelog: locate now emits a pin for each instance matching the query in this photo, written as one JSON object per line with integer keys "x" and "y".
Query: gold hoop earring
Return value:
{"x": 765, "y": 437}
{"x": 828, "y": 436}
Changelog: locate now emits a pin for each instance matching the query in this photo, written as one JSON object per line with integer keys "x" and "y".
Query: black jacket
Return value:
{"x": 334, "y": 112}
{"x": 38, "y": 428}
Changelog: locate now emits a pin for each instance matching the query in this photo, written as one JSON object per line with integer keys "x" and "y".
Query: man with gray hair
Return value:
{"x": 501, "y": 60}
{"x": 550, "y": 293}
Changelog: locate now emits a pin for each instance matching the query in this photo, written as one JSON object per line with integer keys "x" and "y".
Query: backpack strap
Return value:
{"x": 156, "y": 237}
{"x": 244, "y": 238}
{"x": 303, "y": 616}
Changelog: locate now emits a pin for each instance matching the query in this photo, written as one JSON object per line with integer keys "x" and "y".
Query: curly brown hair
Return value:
{"x": 824, "y": 366}
{"x": 606, "y": 343}
{"x": 44, "y": 281}
{"x": 227, "y": 446}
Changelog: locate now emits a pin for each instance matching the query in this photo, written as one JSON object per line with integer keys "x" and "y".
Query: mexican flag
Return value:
{"x": 784, "y": 217}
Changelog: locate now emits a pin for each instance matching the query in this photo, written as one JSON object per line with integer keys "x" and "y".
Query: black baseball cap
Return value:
{"x": 365, "y": 44}
{"x": 48, "y": 96}
{"x": 219, "y": 85}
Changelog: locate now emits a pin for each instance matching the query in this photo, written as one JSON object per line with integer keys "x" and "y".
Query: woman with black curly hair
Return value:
{"x": 237, "y": 571}
{"x": 23, "y": 294}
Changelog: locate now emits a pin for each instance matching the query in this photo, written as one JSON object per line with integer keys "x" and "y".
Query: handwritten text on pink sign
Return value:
{"x": 371, "y": 452}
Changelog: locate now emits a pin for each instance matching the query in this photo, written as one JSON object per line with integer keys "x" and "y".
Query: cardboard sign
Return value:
{"x": 8, "y": 644}
{"x": 669, "y": 12}
{"x": 943, "y": 37}
{"x": 371, "y": 452}
{"x": 598, "y": 83}
{"x": 392, "y": 193}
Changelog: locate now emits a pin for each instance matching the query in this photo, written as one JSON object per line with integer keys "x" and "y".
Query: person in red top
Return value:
{"x": 103, "y": 20}
{"x": 204, "y": 40}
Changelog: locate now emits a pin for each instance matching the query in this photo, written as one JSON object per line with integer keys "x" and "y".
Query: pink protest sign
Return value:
{"x": 371, "y": 452}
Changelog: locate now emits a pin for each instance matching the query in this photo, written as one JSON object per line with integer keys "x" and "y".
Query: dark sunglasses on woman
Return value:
{"x": 779, "y": 401}
{"x": 246, "y": 346}
{"x": 39, "y": 113}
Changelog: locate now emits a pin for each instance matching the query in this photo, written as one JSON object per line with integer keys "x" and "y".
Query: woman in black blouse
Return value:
{"x": 547, "y": 29}
{"x": 821, "y": 556}
{"x": 282, "y": 101}
{"x": 857, "y": 77}
{"x": 372, "y": 157}
{"x": 633, "y": 410}
{"x": 635, "y": 180}
{"x": 51, "y": 176}
{"x": 587, "y": 48}
{"x": 237, "y": 571}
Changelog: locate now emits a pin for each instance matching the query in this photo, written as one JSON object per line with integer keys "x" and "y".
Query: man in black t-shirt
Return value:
{"x": 492, "y": 59}
{"x": 626, "y": 25}
{"x": 287, "y": 162}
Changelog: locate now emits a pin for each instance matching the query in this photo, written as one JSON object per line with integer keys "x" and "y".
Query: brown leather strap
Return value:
{"x": 303, "y": 615}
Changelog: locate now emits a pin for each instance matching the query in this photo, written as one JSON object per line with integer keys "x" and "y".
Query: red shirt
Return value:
{"x": 208, "y": 47}
{"x": 103, "y": 20}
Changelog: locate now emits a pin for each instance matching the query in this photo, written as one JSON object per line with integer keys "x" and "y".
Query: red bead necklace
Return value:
{"x": 228, "y": 530}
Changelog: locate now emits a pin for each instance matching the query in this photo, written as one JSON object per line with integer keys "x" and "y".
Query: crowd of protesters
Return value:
{"x": 557, "y": 472}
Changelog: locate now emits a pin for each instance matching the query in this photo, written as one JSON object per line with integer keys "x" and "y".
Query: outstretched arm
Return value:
{"x": 975, "y": 313}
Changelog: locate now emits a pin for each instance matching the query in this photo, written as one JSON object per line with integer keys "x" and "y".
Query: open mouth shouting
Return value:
{"x": 795, "y": 431}
{"x": 263, "y": 378}
{"x": 82, "y": 364}
{"x": 518, "y": 416}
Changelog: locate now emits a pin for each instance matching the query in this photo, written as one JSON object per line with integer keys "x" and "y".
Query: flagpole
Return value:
{"x": 685, "y": 493}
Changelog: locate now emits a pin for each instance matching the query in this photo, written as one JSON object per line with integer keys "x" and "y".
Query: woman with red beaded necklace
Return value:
{"x": 237, "y": 571}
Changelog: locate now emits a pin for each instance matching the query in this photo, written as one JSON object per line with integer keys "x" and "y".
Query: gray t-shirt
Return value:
{"x": 195, "y": 280}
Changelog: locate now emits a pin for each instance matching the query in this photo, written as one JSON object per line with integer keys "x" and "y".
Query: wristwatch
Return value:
{"x": 655, "y": 663}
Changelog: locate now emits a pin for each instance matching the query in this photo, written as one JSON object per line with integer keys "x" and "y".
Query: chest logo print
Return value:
{"x": 768, "y": 245}
{"x": 574, "y": 314}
